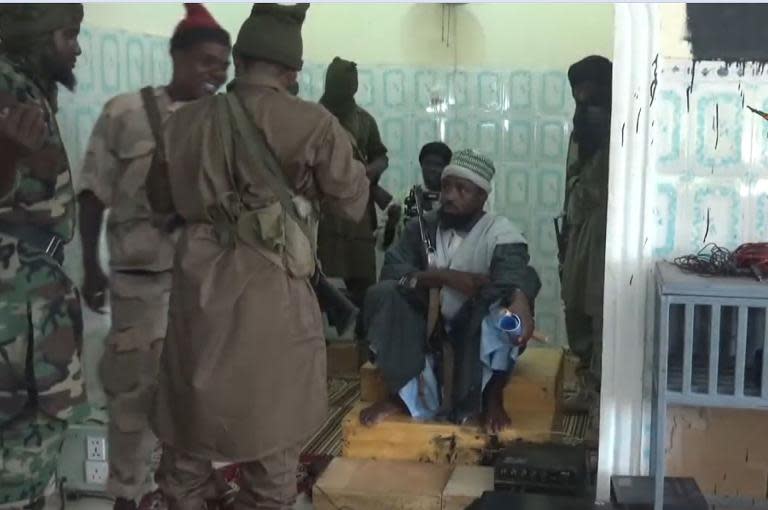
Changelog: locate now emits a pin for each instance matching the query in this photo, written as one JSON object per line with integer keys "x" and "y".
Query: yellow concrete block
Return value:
{"x": 536, "y": 382}
{"x": 342, "y": 359}
{"x": 372, "y": 387}
{"x": 400, "y": 437}
{"x": 380, "y": 485}
{"x": 467, "y": 483}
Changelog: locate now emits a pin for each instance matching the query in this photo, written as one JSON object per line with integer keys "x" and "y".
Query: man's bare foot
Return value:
{"x": 373, "y": 414}
{"x": 496, "y": 417}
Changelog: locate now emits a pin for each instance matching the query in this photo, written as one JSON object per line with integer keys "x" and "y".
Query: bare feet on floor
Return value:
{"x": 373, "y": 414}
{"x": 496, "y": 418}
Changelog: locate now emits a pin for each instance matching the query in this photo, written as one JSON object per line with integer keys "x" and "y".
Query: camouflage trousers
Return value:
{"x": 128, "y": 372}
{"x": 30, "y": 450}
{"x": 41, "y": 386}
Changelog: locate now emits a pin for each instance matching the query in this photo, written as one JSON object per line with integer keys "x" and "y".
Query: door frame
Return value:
{"x": 627, "y": 312}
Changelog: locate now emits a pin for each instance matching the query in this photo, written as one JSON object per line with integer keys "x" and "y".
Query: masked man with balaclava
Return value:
{"x": 586, "y": 201}
{"x": 41, "y": 385}
{"x": 243, "y": 370}
{"x": 348, "y": 249}
{"x": 122, "y": 147}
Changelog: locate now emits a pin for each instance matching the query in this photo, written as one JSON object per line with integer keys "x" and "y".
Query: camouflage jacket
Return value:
{"x": 115, "y": 168}
{"x": 39, "y": 305}
{"x": 43, "y": 194}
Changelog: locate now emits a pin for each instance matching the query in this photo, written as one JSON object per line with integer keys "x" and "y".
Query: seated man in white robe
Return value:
{"x": 481, "y": 270}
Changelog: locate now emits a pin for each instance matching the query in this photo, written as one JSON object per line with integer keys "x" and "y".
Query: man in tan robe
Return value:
{"x": 121, "y": 149}
{"x": 243, "y": 371}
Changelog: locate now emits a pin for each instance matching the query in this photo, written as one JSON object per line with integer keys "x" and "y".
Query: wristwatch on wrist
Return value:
{"x": 408, "y": 281}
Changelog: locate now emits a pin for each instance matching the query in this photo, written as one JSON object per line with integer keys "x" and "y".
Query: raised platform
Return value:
{"x": 531, "y": 399}
{"x": 535, "y": 384}
{"x": 379, "y": 485}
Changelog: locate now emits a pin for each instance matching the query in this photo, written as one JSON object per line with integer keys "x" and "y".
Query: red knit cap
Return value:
{"x": 197, "y": 17}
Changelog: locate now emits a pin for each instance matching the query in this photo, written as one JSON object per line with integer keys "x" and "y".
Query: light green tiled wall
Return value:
{"x": 520, "y": 117}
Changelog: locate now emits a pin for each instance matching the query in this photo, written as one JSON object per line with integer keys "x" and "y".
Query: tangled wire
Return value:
{"x": 713, "y": 260}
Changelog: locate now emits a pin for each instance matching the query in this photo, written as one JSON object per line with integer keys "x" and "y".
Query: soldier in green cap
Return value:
{"x": 243, "y": 375}
{"x": 40, "y": 318}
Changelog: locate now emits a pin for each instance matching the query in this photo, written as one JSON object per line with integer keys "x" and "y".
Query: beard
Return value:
{"x": 66, "y": 78}
{"x": 64, "y": 75}
{"x": 40, "y": 59}
{"x": 461, "y": 222}
{"x": 591, "y": 130}
{"x": 58, "y": 71}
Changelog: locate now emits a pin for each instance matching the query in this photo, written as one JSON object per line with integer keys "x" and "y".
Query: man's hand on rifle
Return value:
{"x": 394, "y": 213}
{"x": 374, "y": 170}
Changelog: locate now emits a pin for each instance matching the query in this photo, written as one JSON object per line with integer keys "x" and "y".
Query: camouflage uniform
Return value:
{"x": 584, "y": 265}
{"x": 116, "y": 163}
{"x": 40, "y": 318}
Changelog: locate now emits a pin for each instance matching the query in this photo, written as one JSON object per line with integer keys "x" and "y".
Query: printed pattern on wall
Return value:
{"x": 712, "y": 157}
{"x": 711, "y": 176}
{"x": 520, "y": 118}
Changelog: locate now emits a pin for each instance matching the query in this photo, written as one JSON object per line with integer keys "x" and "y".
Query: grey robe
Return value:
{"x": 395, "y": 318}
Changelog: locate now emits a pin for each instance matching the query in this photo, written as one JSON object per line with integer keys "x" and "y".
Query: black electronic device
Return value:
{"x": 542, "y": 468}
{"x": 636, "y": 493}
{"x": 504, "y": 500}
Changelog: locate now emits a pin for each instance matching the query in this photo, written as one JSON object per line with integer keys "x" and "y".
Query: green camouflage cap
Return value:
{"x": 27, "y": 21}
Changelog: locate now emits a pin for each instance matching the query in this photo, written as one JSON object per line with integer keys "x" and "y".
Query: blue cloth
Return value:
{"x": 498, "y": 352}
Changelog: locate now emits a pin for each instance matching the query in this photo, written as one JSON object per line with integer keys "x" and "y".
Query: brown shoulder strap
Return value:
{"x": 155, "y": 120}
{"x": 259, "y": 152}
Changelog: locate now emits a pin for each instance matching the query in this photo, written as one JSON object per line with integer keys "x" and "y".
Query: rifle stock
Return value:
{"x": 339, "y": 310}
{"x": 381, "y": 197}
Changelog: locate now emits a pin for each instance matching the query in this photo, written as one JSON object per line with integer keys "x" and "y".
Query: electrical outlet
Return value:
{"x": 96, "y": 448}
{"x": 96, "y": 472}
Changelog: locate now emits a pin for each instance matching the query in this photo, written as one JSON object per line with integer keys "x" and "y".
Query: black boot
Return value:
{"x": 124, "y": 504}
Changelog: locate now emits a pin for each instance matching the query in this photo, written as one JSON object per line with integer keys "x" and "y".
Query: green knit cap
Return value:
{"x": 473, "y": 166}
{"x": 273, "y": 33}
{"x": 20, "y": 23}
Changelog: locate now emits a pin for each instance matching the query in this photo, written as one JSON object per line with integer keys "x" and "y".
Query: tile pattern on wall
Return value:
{"x": 711, "y": 175}
{"x": 711, "y": 153}
{"x": 519, "y": 117}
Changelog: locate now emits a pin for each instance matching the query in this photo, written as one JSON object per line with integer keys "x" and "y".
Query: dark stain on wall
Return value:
{"x": 728, "y": 32}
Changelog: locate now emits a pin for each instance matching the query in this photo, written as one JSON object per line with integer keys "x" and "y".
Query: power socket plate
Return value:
{"x": 96, "y": 448}
{"x": 96, "y": 472}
